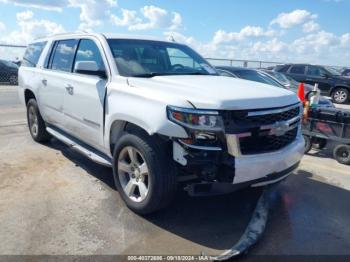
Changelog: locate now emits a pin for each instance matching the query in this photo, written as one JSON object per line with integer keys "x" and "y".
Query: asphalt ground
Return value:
{"x": 54, "y": 201}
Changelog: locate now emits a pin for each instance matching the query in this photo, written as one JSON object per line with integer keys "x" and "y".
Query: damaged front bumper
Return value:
{"x": 219, "y": 171}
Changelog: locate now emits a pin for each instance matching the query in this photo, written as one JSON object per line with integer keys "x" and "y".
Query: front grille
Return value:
{"x": 263, "y": 144}
{"x": 272, "y": 118}
{"x": 256, "y": 129}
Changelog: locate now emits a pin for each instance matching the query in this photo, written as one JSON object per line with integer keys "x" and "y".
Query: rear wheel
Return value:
{"x": 143, "y": 174}
{"x": 36, "y": 123}
{"x": 341, "y": 153}
{"x": 340, "y": 95}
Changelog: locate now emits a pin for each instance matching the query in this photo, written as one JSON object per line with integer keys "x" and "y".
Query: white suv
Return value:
{"x": 159, "y": 114}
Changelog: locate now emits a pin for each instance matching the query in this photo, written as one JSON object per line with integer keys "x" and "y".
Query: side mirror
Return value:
{"x": 89, "y": 68}
{"x": 324, "y": 75}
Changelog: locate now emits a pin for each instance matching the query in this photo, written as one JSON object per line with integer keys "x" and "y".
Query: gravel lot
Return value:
{"x": 54, "y": 201}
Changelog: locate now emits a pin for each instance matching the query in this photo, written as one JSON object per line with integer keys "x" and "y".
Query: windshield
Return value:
{"x": 257, "y": 77}
{"x": 333, "y": 71}
{"x": 145, "y": 58}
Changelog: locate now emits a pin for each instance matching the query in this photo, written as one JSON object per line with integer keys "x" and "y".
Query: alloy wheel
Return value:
{"x": 133, "y": 174}
{"x": 33, "y": 121}
{"x": 340, "y": 96}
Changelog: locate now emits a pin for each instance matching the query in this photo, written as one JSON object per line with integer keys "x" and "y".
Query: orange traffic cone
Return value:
{"x": 301, "y": 92}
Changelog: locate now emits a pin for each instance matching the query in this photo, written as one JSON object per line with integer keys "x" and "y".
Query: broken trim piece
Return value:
{"x": 254, "y": 230}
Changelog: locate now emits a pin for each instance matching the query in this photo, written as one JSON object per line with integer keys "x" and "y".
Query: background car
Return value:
{"x": 266, "y": 77}
{"x": 330, "y": 81}
{"x": 8, "y": 72}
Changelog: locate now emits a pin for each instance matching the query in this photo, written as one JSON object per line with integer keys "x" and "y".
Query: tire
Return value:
{"x": 340, "y": 95}
{"x": 36, "y": 124}
{"x": 308, "y": 144}
{"x": 13, "y": 80}
{"x": 160, "y": 181}
{"x": 319, "y": 143}
{"x": 341, "y": 153}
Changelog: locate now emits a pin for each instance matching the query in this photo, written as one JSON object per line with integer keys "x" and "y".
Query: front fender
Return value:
{"x": 143, "y": 111}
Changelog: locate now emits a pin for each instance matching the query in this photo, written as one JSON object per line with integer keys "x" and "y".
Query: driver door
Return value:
{"x": 315, "y": 74}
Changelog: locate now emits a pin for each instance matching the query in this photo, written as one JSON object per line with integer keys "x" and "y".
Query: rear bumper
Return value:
{"x": 271, "y": 166}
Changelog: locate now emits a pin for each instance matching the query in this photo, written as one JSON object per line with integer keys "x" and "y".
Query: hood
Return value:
{"x": 342, "y": 79}
{"x": 217, "y": 92}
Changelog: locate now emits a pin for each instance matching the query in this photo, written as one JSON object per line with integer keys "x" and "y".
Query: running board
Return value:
{"x": 88, "y": 153}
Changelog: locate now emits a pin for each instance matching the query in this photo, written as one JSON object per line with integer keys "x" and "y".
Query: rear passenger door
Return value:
{"x": 55, "y": 79}
{"x": 84, "y": 104}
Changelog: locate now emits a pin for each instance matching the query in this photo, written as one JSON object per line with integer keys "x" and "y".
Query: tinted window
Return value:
{"x": 88, "y": 51}
{"x": 64, "y": 55}
{"x": 32, "y": 54}
{"x": 282, "y": 68}
{"x": 297, "y": 70}
{"x": 315, "y": 71}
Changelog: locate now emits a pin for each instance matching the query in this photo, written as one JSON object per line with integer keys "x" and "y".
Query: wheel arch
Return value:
{"x": 119, "y": 127}
{"x": 339, "y": 86}
{"x": 28, "y": 94}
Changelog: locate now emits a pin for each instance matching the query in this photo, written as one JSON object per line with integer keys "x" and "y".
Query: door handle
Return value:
{"x": 70, "y": 89}
{"x": 44, "y": 81}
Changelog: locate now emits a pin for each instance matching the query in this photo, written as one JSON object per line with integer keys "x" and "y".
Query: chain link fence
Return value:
{"x": 10, "y": 59}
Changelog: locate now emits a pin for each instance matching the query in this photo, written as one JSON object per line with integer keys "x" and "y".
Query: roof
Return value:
{"x": 106, "y": 35}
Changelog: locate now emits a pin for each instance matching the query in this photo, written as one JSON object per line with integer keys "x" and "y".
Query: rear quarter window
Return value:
{"x": 32, "y": 54}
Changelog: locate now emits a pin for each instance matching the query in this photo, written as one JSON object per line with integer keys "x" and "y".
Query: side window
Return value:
{"x": 282, "y": 69}
{"x": 88, "y": 51}
{"x": 300, "y": 70}
{"x": 315, "y": 71}
{"x": 32, "y": 54}
{"x": 64, "y": 55}
{"x": 177, "y": 57}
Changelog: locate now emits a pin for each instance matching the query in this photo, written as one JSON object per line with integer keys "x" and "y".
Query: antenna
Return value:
{"x": 171, "y": 38}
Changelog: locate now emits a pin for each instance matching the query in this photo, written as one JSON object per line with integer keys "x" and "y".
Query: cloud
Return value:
{"x": 153, "y": 17}
{"x": 318, "y": 47}
{"x": 310, "y": 26}
{"x": 129, "y": 17}
{"x": 222, "y": 36}
{"x": 31, "y": 28}
{"x": 55, "y": 5}
{"x": 294, "y": 18}
{"x": 92, "y": 12}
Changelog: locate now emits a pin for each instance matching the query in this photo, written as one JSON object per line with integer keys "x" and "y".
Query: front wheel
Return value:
{"x": 142, "y": 173}
{"x": 340, "y": 95}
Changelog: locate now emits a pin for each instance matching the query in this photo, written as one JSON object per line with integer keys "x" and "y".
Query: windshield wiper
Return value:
{"x": 152, "y": 74}
{"x": 198, "y": 73}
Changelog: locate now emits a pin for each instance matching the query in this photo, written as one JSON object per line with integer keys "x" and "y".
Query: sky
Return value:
{"x": 310, "y": 31}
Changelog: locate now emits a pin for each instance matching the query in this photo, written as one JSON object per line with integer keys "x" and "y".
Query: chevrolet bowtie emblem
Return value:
{"x": 279, "y": 128}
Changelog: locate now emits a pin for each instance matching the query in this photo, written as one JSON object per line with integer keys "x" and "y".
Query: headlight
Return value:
{"x": 195, "y": 119}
